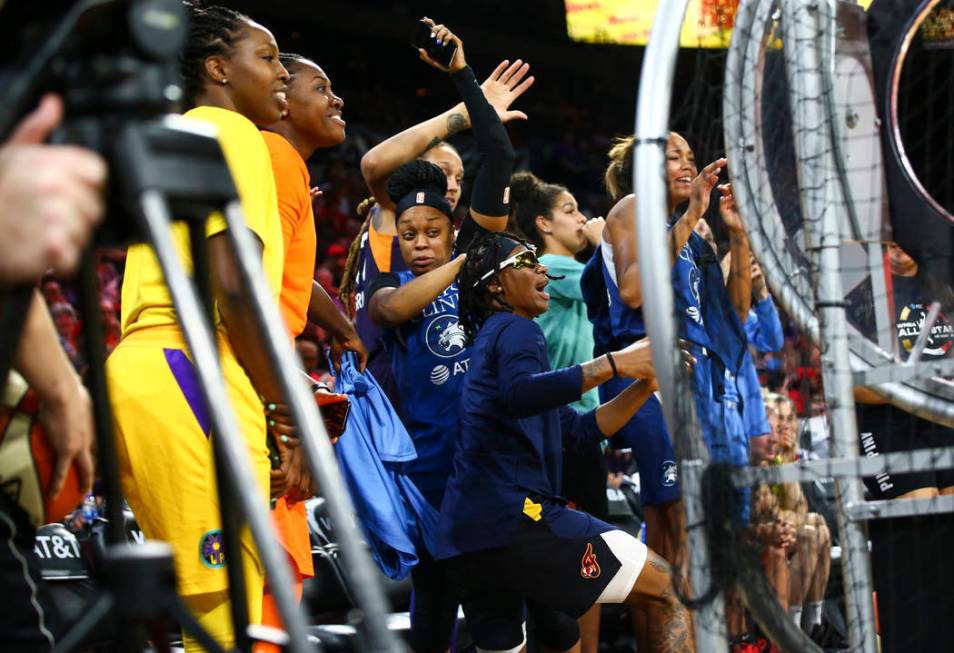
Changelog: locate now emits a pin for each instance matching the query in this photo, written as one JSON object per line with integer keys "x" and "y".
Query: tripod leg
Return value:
{"x": 314, "y": 438}
{"x": 231, "y": 519}
{"x": 94, "y": 614}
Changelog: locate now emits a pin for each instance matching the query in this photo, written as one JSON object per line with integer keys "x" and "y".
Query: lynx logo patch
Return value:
{"x": 589, "y": 567}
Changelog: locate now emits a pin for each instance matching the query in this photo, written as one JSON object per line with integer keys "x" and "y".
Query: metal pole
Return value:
{"x": 361, "y": 575}
{"x": 809, "y": 45}
{"x": 198, "y": 335}
{"x": 652, "y": 127}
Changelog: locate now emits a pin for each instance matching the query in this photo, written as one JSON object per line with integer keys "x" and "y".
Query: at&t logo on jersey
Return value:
{"x": 445, "y": 337}
{"x": 440, "y": 374}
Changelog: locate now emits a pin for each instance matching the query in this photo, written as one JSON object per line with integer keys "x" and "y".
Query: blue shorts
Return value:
{"x": 647, "y": 436}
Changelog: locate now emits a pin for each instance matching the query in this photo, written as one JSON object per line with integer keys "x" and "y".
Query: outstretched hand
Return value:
{"x": 730, "y": 215}
{"x": 505, "y": 84}
{"x": 702, "y": 187}
{"x": 442, "y": 34}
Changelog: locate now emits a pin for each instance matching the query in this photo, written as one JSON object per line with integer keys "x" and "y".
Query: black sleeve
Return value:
{"x": 383, "y": 280}
{"x": 469, "y": 232}
{"x": 491, "y": 195}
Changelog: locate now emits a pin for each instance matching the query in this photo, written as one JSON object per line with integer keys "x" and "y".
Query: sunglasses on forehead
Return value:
{"x": 525, "y": 259}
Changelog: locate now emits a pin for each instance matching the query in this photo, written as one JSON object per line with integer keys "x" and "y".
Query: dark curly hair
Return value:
{"x": 415, "y": 176}
{"x": 475, "y": 303}
{"x": 529, "y": 197}
{"x": 213, "y": 30}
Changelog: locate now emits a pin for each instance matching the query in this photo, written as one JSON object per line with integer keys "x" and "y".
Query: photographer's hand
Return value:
{"x": 50, "y": 198}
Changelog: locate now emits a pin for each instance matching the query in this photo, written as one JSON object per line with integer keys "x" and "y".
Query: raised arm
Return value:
{"x": 739, "y": 283}
{"x": 622, "y": 236}
{"x": 506, "y": 83}
{"x": 393, "y": 306}
{"x": 490, "y": 201}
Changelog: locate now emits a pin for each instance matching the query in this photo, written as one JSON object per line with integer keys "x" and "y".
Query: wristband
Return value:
{"x": 609, "y": 357}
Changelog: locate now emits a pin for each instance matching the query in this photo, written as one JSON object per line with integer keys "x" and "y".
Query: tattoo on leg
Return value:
{"x": 671, "y": 629}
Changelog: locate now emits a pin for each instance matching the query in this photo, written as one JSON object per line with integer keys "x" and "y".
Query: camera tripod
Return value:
{"x": 163, "y": 166}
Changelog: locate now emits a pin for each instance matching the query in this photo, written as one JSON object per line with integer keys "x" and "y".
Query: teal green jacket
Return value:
{"x": 568, "y": 332}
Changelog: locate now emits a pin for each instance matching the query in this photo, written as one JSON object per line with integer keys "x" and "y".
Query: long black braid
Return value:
{"x": 475, "y": 301}
{"x": 213, "y": 30}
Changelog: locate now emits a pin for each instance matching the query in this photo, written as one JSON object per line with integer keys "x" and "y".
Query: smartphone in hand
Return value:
{"x": 442, "y": 53}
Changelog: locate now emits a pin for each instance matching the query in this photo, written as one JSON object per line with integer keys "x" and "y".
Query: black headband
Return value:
{"x": 424, "y": 198}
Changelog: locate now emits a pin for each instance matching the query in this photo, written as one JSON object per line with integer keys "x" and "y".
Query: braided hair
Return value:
{"x": 416, "y": 175}
{"x": 530, "y": 197}
{"x": 475, "y": 301}
{"x": 350, "y": 272}
{"x": 213, "y": 30}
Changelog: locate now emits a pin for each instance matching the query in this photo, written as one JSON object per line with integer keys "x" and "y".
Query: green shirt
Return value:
{"x": 568, "y": 332}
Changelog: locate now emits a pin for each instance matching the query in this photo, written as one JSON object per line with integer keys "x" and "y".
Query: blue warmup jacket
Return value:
{"x": 372, "y": 452}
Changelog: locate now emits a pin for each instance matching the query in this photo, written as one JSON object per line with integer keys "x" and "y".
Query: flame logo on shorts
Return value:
{"x": 589, "y": 567}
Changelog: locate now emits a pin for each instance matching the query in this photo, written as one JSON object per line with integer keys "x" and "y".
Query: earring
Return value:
{"x": 223, "y": 82}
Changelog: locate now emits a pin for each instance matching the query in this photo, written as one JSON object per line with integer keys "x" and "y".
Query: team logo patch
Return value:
{"x": 589, "y": 567}
{"x": 440, "y": 374}
{"x": 670, "y": 473}
{"x": 445, "y": 337}
{"x": 910, "y": 323}
{"x": 212, "y": 550}
{"x": 419, "y": 198}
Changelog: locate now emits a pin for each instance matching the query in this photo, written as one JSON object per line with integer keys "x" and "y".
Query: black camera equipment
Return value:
{"x": 114, "y": 63}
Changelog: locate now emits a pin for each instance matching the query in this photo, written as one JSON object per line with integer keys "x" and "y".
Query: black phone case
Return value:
{"x": 441, "y": 53}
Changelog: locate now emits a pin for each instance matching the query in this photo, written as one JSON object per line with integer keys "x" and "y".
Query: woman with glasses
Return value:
{"x": 504, "y": 531}
{"x": 417, "y": 308}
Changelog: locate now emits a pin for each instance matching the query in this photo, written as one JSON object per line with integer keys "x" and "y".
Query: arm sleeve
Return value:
{"x": 469, "y": 232}
{"x": 525, "y": 387}
{"x": 580, "y": 430}
{"x": 765, "y": 331}
{"x": 491, "y": 193}
{"x": 383, "y": 280}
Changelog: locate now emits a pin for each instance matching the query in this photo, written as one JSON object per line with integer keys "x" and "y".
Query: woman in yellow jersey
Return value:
{"x": 234, "y": 81}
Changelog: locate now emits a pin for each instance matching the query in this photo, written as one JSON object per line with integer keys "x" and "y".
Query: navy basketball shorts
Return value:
{"x": 646, "y": 435}
{"x": 565, "y": 560}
